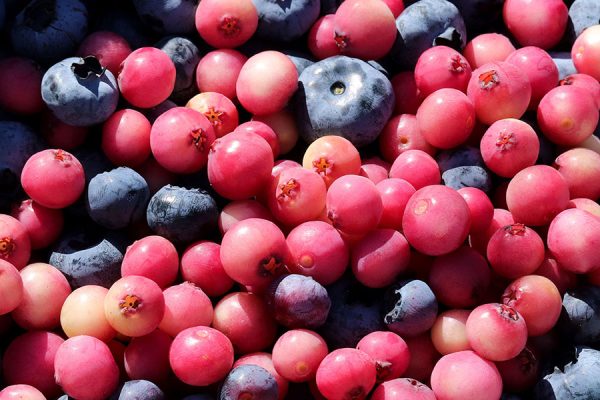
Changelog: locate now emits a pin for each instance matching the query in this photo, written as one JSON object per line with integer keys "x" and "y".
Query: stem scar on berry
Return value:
{"x": 288, "y": 190}
{"x": 322, "y": 166}
{"x": 457, "y": 64}
{"x": 516, "y": 229}
{"x": 509, "y": 312}
{"x": 214, "y": 116}
{"x": 505, "y": 141}
{"x": 341, "y": 41}
{"x": 198, "y": 138}
{"x": 271, "y": 265}
{"x": 130, "y": 304}
{"x": 7, "y": 246}
{"x": 488, "y": 79}
{"x": 230, "y": 26}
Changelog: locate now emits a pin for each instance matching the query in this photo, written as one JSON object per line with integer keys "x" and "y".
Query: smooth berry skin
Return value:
{"x": 567, "y": 115}
{"x": 43, "y": 224}
{"x": 402, "y": 388}
{"x": 572, "y": 236}
{"x": 53, "y": 178}
{"x": 238, "y": 313}
{"x": 218, "y": 71}
{"x": 408, "y": 97}
{"x": 486, "y": 48}
{"x": 538, "y": 301}
{"x": 515, "y": 250}
{"x": 496, "y": 332}
{"x": 126, "y": 138}
{"x": 15, "y": 245}
{"x": 61, "y": 135}
{"x": 180, "y": 140}
{"x": 480, "y": 206}
{"x": 44, "y": 291}
{"x": 297, "y": 354}
{"x": 21, "y": 391}
{"x": 226, "y": 24}
{"x": 441, "y": 67}
{"x": 389, "y": 351}
{"x": 364, "y": 29}
{"x": 147, "y": 357}
{"x": 264, "y": 131}
{"x": 20, "y": 80}
{"x": 321, "y": 38}
{"x": 449, "y": 332}
{"x": 86, "y": 359}
{"x": 218, "y": 109}
{"x": 11, "y": 287}
{"x": 499, "y": 90}
{"x": 380, "y": 257}
{"x": 465, "y": 374}
{"x": 434, "y": 112}
{"x": 395, "y": 194}
{"x": 539, "y": 68}
{"x": 201, "y": 265}
{"x": 317, "y": 249}
{"x": 342, "y": 206}
{"x": 261, "y": 95}
{"x": 581, "y": 168}
{"x": 201, "y": 349}
{"x": 239, "y": 165}
{"x": 134, "y": 305}
{"x": 536, "y": 23}
{"x": 82, "y": 313}
{"x": 185, "y": 306}
{"x": 332, "y": 157}
{"x": 109, "y": 48}
{"x": 346, "y": 373}
{"x": 420, "y": 367}
{"x": 536, "y": 194}
{"x": 446, "y": 207}
{"x": 29, "y": 359}
{"x": 417, "y": 168}
{"x": 146, "y": 77}
{"x": 584, "y": 81}
{"x": 238, "y": 210}
{"x": 585, "y": 52}
{"x": 284, "y": 125}
{"x": 153, "y": 257}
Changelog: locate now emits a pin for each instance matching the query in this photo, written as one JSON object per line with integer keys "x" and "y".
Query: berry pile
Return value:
{"x": 299, "y": 199}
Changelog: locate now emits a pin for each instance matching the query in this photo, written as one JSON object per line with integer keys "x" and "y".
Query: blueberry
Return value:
{"x": 355, "y": 312}
{"x": 157, "y": 111}
{"x": 468, "y": 176}
{"x": 459, "y": 157}
{"x": 182, "y": 215}
{"x": 19, "y": 142}
{"x": 138, "y": 390}
{"x": 123, "y": 22}
{"x": 564, "y": 63}
{"x": 285, "y": 20}
{"x": 79, "y": 91}
{"x": 249, "y": 381}
{"x": 583, "y": 14}
{"x": 343, "y": 96}
{"x": 300, "y": 60}
{"x": 411, "y": 307}
{"x": 425, "y": 24}
{"x": 580, "y": 316}
{"x": 89, "y": 257}
{"x": 185, "y": 55}
{"x": 49, "y": 30}
{"x": 118, "y": 198}
{"x": 168, "y": 16}
{"x": 93, "y": 162}
{"x": 481, "y": 16}
{"x": 298, "y": 301}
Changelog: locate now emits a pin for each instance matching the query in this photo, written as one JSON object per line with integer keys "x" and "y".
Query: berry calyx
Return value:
{"x": 130, "y": 304}
{"x": 516, "y": 229}
{"x": 505, "y": 140}
{"x": 214, "y": 116}
{"x": 7, "y": 246}
{"x": 488, "y": 79}
{"x": 199, "y": 138}
{"x": 322, "y": 166}
{"x": 288, "y": 190}
{"x": 230, "y": 26}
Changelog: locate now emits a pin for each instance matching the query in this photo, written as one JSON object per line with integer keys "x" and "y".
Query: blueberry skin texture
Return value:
{"x": 118, "y": 198}
{"x": 250, "y": 379}
{"x": 185, "y": 55}
{"x": 343, "y": 96}
{"x": 580, "y": 316}
{"x": 49, "y": 30}
{"x": 425, "y": 24}
{"x": 79, "y": 100}
{"x": 168, "y": 16}
{"x": 298, "y": 301}
{"x": 138, "y": 390}
{"x": 583, "y": 14}
{"x": 355, "y": 312}
{"x": 459, "y": 157}
{"x": 182, "y": 215}
{"x": 89, "y": 258}
{"x": 468, "y": 176}
{"x": 285, "y": 20}
{"x": 19, "y": 142}
{"x": 300, "y": 60}
{"x": 411, "y": 307}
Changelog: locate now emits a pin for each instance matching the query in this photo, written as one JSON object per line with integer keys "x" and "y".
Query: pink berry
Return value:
{"x": 584, "y": 81}
{"x": 60, "y": 135}
{"x": 417, "y": 168}
{"x": 153, "y": 257}
{"x": 264, "y": 131}
{"x": 408, "y": 96}
{"x": 403, "y": 388}
{"x": 82, "y": 313}
{"x": 218, "y": 71}
{"x": 43, "y": 225}
{"x": 146, "y": 77}
{"x": 463, "y": 375}
{"x": 375, "y": 169}
{"x": 147, "y": 357}
{"x": 395, "y": 194}
{"x": 126, "y": 138}
{"x": 108, "y": 47}
{"x": 497, "y": 332}
{"x": 449, "y": 331}
{"x": 15, "y": 245}
{"x": 515, "y": 250}
{"x": 321, "y": 38}
{"x": 185, "y": 306}
{"x": 218, "y": 109}
{"x": 284, "y": 125}
{"x": 201, "y": 265}
{"x": 389, "y": 351}
{"x": 20, "y": 82}
{"x": 540, "y": 23}
{"x": 581, "y": 169}
{"x": 436, "y": 220}
{"x": 487, "y": 48}
{"x": 53, "y": 178}
{"x": 551, "y": 269}
{"x": 520, "y": 373}
{"x": 480, "y": 206}
{"x": 332, "y": 157}
{"x": 297, "y": 354}
{"x": 85, "y": 368}
{"x": 266, "y": 82}
{"x": 134, "y": 305}
{"x": 11, "y": 287}
{"x": 21, "y": 392}
{"x": 441, "y": 67}
{"x": 346, "y": 374}
{"x": 586, "y": 53}
{"x": 226, "y": 23}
